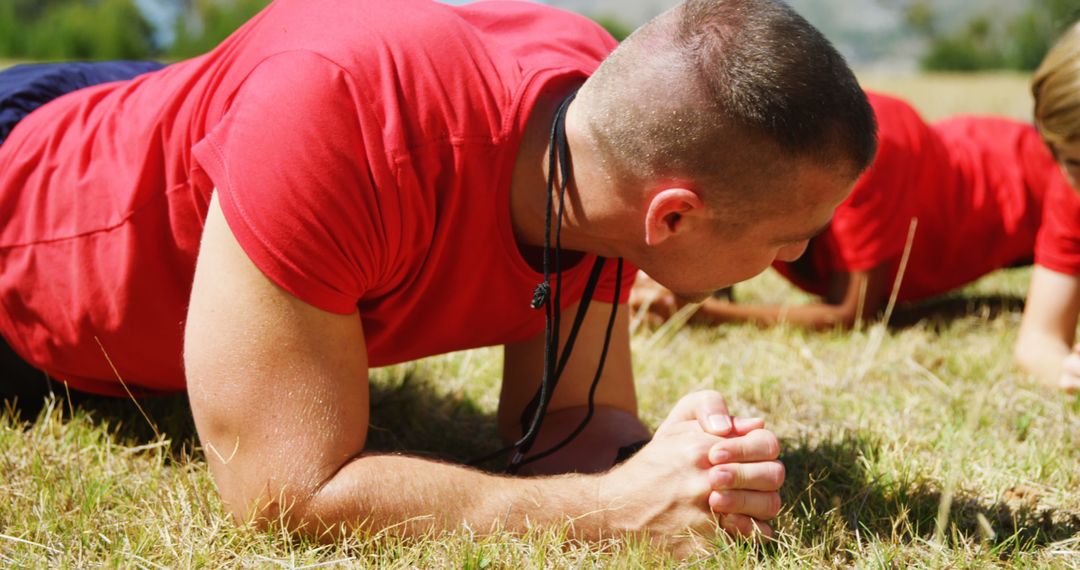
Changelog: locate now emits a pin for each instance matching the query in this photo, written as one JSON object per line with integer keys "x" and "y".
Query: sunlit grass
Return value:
{"x": 931, "y": 451}
{"x": 938, "y": 95}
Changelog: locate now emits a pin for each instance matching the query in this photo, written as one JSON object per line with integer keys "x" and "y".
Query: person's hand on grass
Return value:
{"x": 1070, "y": 372}
{"x": 746, "y": 480}
{"x": 745, "y": 477}
{"x": 674, "y": 491}
{"x": 658, "y": 303}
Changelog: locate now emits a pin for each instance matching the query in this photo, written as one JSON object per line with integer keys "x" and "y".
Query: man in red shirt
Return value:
{"x": 972, "y": 187}
{"x": 342, "y": 185}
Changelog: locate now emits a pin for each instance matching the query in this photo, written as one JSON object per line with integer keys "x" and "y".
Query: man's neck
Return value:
{"x": 581, "y": 230}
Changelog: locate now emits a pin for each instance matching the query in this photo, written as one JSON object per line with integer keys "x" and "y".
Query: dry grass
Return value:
{"x": 938, "y": 95}
{"x": 940, "y": 455}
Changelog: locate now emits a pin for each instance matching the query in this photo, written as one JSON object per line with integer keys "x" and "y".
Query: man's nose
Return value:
{"x": 792, "y": 252}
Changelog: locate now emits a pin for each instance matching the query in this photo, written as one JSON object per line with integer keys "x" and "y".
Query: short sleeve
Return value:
{"x": 1057, "y": 246}
{"x": 290, "y": 166}
{"x": 871, "y": 226}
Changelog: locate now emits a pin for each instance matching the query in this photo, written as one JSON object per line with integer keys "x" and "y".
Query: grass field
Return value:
{"x": 917, "y": 444}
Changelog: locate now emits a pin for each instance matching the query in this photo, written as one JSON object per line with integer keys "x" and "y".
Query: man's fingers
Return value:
{"x": 707, "y": 408}
{"x": 742, "y": 525}
{"x": 758, "y": 445}
{"x": 1071, "y": 366}
{"x": 712, "y": 414}
{"x": 759, "y": 476}
{"x": 755, "y": 504}
{"x": 744, "y": 426}
{"x": 1070, "y": 384}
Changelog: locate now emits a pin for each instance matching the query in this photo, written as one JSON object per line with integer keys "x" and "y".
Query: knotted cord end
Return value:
{"x": 540, "y": 295}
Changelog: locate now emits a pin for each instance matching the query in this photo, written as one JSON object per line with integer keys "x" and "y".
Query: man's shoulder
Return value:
{"x": 538, "y": 35}
{"x": 524, "y": 36}
{"x": 368, "y": 32}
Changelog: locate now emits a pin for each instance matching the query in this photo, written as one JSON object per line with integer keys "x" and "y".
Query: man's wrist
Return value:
{"x": 627, "y": 451}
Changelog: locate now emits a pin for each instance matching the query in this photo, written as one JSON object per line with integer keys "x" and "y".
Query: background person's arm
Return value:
{"x": 279, "y": 393}
{"x": 1048, "y": 329}
{"x": 845, "y": 304}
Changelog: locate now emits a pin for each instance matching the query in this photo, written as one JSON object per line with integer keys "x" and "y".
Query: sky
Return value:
{"x": 161, "y": 14}
{"x": 868, "y": 32}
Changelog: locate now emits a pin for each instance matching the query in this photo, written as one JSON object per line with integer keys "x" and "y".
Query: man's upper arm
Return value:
{"x": 524, "y": 364}
{"x": 278, "y": 388}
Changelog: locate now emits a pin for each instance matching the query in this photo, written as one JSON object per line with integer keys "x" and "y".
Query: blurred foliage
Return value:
{"x": 73, "y": 29}
{"x": 117, "y": 29}
{"x": 987, "y": 41}
{"x": 614, "y": 26}
{"x": 113, "y": 29}
{"x": 207, "y": 22}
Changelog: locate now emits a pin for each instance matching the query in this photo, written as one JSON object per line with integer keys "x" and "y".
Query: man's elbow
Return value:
{"x": 294, "y": 507}
{"x": 265, "y": 511}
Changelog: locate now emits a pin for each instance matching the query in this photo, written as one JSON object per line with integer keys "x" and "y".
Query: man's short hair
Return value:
{"x": 1056, "y": 88}
{"x": 716, "y": 83}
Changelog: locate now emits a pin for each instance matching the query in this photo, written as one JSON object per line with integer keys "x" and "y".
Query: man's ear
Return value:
{"x": 667, "y": 211}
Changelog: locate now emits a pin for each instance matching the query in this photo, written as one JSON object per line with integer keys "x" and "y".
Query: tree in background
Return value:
{"x": 73, "y": 29}
{"x": 205, "y": 23}
{"x": 114, "y": 29}
{"x": 985, "y": 42}
{"x": 614, "y": 26}
{"x": 117, "y": 29}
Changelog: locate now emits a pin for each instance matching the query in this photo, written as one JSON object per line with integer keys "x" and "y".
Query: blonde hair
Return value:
{"x": 1056, "y": 87}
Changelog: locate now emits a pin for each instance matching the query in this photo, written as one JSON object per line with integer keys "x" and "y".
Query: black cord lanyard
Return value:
{"x": 554, "y": 363}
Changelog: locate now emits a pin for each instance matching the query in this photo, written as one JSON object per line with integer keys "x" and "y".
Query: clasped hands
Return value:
{"x": 702, "y": 468}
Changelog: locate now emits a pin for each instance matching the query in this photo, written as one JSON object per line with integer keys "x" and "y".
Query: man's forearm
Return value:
{"x": 816, "y": 316}
{"x": 410, "y": 496}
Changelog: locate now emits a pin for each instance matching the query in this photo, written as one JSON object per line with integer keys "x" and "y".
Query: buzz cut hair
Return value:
{"x": 716, "y": 85}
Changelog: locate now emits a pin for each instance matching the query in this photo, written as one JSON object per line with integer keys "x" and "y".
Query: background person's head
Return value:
{"x": 1056, "y": 88}
{"x": 737, "y": 127}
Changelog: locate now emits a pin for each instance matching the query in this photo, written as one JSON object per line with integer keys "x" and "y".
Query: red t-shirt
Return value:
{"x": 1058, "y": 247}
{"x": 363, "y": 153}
{"x": 975, "y": 184}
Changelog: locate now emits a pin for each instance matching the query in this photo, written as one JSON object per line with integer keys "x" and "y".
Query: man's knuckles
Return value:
{"x": 757, "y": 476}
{"x": 761, "y": 506}
{"x": 758, "y": 445}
